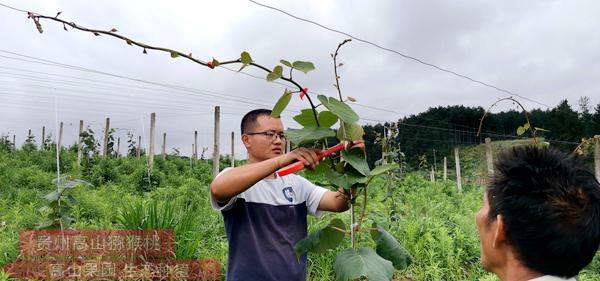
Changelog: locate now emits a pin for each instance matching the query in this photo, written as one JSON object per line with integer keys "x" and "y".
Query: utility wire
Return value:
{"x": 401, "y": 54}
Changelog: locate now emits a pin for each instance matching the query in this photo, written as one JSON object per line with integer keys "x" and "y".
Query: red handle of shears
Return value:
{"x": 297, "y": 166}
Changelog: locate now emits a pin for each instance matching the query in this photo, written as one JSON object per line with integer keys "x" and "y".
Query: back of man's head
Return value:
{"x": 550, "y": 204}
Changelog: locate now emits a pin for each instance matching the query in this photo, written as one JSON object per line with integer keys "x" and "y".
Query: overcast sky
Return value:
{"x": 543, "y": 50}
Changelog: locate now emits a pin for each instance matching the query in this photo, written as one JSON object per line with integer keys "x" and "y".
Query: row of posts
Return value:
{"x": 216, "y": 148}
{"x": 105, "y": 151}
{"x": 489, "y": 155}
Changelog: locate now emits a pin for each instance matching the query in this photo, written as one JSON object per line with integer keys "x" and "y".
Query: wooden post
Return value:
{"x": 434, "y": 164}
{"x": 29, "y": 133}
{"x": 457, "y": 164}
{"x": 60, "y": 133}
{"x": 445, "y": 169}
{"x": 383, "y": 158}
{"x": 489, "y": 157}
{"x": 195, "y": 150}
{"x": 192, "y": 156}
{"x": 79, "y": 143}
{"x": 217, "y": 132}
{"x": 43, "y": 137}
{"x": 232, "y": 149}
{"x": 118, "y": 147}
{"x": 151, "y": 148}
{"x": 597, "y": 155}
{"x": 106, "y": 128}
{"x": 138, "y": 151}
{"x": 432, "y": 175}
{"x": 164, "y": 147}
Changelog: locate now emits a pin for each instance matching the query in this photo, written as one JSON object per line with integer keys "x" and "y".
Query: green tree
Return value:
{"x": 565, "y": 125}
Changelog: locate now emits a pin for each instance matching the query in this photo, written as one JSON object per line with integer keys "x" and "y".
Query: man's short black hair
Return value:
{"x": 550, "y": 203}
{"x": 249, "y": 120}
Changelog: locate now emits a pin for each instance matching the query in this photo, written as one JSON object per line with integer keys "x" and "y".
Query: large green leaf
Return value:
{"x": 52, "y": 196}
{"x": 327, "y": 119}
{"x": 384, "y": 169}
{"x": 342, "y": 110}
{"x": 299, "y": 136}
{"x": 304, "y": 66}
{"x": 323, "y": 167}
{"x": 306, "y": 118}
{"x": 323, "y": 99}
{"x": 45, "y": 224}
{"x": 346, "y": 179}
{"x": 353, "y": 132}
{"x": 351, "y": 264}
{"x": 356, "y": 158}
{"x": 321, "y": 240}
{"x": 275, "y": 74}
{"x": 69, "y": 182}
{"x": 281, "y": 104}
{"x": 389, "y": 248}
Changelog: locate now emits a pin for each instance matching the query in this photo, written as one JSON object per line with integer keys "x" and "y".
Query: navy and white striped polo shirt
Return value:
{"x": 264, "y": 223}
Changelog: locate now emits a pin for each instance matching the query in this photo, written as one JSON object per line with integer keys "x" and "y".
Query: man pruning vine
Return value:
{"x": 264, "y": 214}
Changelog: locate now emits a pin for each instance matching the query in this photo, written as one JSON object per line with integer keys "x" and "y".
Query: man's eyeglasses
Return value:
{"x": 269, "y": 134}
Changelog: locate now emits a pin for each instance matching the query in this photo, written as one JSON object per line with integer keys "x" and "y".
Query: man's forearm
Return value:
{"x": 237, "y": 180}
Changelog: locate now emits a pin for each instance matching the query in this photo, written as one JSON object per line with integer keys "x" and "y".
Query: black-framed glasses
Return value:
{"x": 269, "y": 134}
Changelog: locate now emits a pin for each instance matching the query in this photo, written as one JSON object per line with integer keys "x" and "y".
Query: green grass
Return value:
{"x": 432, "y": 220}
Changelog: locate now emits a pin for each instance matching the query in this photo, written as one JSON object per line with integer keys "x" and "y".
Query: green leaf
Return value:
{"x": 356, "y": 158}
{"x": 520, "y": 130}
{"x": 52, "y": 196}
{"x": 351, "y": 264}
{"x": 68, "y": 182}
{"x": 303, "y": 66}
{"x": 541, "y": 129}
{"x": 353, "y": 132}
{"x": 281, "y": 104}
{"x": 275, "y": 74}
{"x": 346, "y": 179}
{"x": 306, "y": 118}
{"x": 45, "y": 224}
{"x": 384, "y": 169}
{"x": 72, "y": 200}
{"x": 342, "y": 110}
{"x": 389, "y": 248}
{"x": 245, "y": 58}
{"x": 327, "y": 119}
{"x": 323, "y": 167}
{"x": 526, "y": 125}
{"x": 323, "y": 99}
{"x": 215, "y": 63}
{"x": 299, "y": 136}
{"x": 44, "y": 209}
{"x": 286, "y": 63}
{"x": 321, "y": 240}
{"x": 174, "y": 54}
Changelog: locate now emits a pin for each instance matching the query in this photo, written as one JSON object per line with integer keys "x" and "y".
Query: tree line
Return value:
{"x": 435, "y": 132}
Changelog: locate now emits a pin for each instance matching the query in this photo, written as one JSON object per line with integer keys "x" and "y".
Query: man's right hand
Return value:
{"x": 309, "y": 156}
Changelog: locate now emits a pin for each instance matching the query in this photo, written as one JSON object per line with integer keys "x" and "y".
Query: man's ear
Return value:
{"x": 500, "y": 232}
{"x": 246, "y": 140}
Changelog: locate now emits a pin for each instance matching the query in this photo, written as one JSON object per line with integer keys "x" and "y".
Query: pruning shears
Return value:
{"x": 299, "y": 165}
